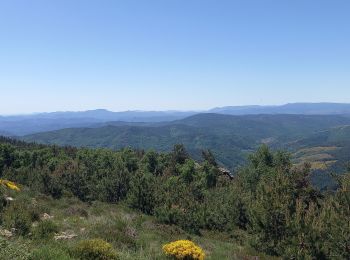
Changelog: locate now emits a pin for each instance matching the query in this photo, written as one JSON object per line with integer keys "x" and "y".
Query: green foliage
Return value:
{"x": 224, "y": 210}
{"x": 179, "y": 203}
{"x": 230, "y": 138}
{"x": 179, "y": 154}
{"x": 152, "y": 163}
{"x": 6, "y": 156}
{"x": 211, "y": 174}
{"x": 141, "y": 194}
{"x": 3, "y": 201}
{"x": 95, "y": 249}
{"x": 187, "y": 171}
{"x": 209, "y": 157}
{"x": 49, "y": 252}
{"x": 336, "y": 222}
{"x": 13, "y": 250}
{"x": 270, "y": 200}
{"x": 17, "y": 216}
{"x": 45, "y": 229}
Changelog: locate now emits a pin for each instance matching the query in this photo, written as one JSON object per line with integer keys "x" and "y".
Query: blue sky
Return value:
{"x": 171, "y": 54}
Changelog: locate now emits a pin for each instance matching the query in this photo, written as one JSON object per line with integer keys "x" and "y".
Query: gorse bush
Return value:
{"x": 184, "y": 249}
{"x": 95, "y": 249}
{"x": 9, "y": 184}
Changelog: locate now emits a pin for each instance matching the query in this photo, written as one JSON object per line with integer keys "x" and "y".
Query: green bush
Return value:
{"x": 95, "y": 249}
{"x": 17, "y": 216}
{"x": 49, "y": 253}
{"x": 141, "y": 193}
{"x": 45, "y": 229}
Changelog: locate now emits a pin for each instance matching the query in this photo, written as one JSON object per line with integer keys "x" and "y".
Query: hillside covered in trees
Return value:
{"x": 138, "y": 200}
{"x": 230, "y": 138}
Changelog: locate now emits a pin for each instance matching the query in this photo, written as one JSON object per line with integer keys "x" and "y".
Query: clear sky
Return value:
{"x": 171, "y": 54}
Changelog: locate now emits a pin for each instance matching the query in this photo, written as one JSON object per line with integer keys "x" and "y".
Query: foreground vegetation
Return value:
{"x": 76, "y": 203}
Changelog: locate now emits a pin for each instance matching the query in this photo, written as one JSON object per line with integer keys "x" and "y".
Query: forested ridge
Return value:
{"x": 269, "y": 205}
{"x": 230, "y": 138}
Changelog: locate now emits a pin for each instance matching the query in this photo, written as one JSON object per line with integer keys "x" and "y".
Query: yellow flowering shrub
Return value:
{"x": 184, "y": 249}
{"x": 9, "y": 184}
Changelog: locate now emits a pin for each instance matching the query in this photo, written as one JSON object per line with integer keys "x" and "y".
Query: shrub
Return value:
{"x": 141, "y": 193}
{"x": 95, "y": 249}
{"x": 45, "y": 229}
{"x": 184, "y": 249}
{"x": 48, "y": 253}
{"x": 17, "y": 216}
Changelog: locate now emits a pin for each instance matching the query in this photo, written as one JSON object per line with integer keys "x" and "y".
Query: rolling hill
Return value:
{"x": 231, "y": 138}
{"x": 329, "y": 148}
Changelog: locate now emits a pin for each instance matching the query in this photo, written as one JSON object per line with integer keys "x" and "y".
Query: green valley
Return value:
{"x": 230, "y": 138}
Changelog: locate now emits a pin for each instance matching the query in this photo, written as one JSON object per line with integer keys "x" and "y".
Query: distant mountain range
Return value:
{"x": 315, "y": 133}
{"x": 34, "y": 123}
{"x": 294, "y": 108}
{"x": 105, "y": 115}
{"x": 26, "y": 124}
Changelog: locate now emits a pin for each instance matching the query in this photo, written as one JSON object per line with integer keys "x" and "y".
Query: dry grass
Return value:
{"x": 132, "y": 234}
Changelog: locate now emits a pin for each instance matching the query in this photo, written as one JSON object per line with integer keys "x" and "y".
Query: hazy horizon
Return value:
{"x": 168, "y": 110}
